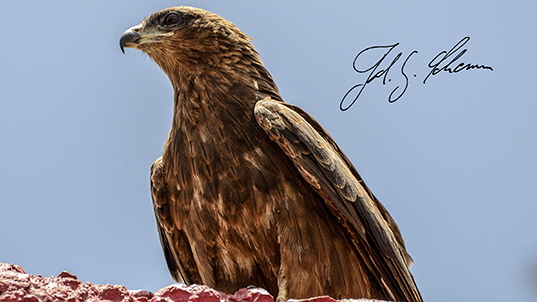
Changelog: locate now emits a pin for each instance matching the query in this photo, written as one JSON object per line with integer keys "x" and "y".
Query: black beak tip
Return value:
{"x": 128, "y": 39}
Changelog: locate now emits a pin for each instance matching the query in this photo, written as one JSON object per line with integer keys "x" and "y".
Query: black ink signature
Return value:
{"x": 374, "y": 74}
{"x": 446, "y": 56}
{"x": 441, "y": 62}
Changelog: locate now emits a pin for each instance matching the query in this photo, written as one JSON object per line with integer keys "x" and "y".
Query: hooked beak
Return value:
{"x": 134, "y": 37}
{"x": 130, "y": 38}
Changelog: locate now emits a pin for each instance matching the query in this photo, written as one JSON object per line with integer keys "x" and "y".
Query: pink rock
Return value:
{"x": 252, "y": 295}
{"x": 175, "y": 292}
{"x": 17, "y": 285}
{"x": 142, "y": 295}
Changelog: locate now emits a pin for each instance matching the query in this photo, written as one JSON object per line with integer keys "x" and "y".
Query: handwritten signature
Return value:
{"x": 443, "y": 61}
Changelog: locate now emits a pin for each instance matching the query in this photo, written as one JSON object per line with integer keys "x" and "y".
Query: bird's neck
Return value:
{"x": 219, "y": 90}
{"x": 216, "y": 103}
{"x": 208, "y": 107}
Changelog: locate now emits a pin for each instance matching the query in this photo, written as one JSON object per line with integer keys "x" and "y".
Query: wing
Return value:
{"x": 177, "y": 251}
{"x": 326, "y": 168}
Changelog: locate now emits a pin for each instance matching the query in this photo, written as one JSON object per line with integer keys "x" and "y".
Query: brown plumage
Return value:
{"x": 251, "y": 190}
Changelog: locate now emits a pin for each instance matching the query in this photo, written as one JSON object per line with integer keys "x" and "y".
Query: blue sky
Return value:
{"x": 453, "y": 160}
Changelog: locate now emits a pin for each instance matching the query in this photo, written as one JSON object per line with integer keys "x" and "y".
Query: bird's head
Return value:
{"x": 186, "y": 38}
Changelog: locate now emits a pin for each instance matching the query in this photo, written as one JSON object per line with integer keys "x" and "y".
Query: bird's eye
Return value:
{"x": 171, "y": 19}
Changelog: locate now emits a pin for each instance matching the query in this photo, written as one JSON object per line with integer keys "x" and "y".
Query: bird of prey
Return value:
{"x": 251, "y": 190}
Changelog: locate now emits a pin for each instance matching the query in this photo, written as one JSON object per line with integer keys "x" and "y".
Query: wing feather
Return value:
{"x": 177, "y": 250}
{"x": 326, "y": 168}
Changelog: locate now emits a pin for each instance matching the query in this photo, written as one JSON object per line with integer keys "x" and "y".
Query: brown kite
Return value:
{"x": 251, "y": 190}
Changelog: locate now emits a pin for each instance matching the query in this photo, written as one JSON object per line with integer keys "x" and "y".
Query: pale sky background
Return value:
{"x": 453, "y": 160}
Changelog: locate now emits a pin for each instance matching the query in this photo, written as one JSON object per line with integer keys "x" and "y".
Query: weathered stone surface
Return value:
{"x": 17, "y": 285}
